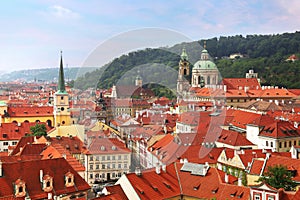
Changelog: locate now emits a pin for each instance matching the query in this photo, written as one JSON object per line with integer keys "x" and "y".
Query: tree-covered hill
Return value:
{"x": 266, "y": 54}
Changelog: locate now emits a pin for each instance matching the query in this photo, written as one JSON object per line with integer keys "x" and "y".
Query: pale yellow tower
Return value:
{"x": 62, "y": 116}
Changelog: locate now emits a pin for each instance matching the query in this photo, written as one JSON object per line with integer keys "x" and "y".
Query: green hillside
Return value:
{"x": 266, "y": 54}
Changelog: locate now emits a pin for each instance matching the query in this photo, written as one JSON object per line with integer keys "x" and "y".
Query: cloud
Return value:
{"x": 62, "y": 13}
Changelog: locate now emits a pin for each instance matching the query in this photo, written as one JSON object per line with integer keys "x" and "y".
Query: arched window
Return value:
{"x": 208, "y": 80}
{"x": 49, "y": 122}
{"x": 184, "y": 72}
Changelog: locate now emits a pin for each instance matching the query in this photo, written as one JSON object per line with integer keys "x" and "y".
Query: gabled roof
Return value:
{"x": 29, "y": 172}
{"x": 280, "y": 129}
{"x": 107, "y": 146}
{"x": 175, "y": 182}
{"x": 30, "y": 111}
{"x": 241, "y": 83}
{"x": 14, "y": 131}
{"x": 233, "y": 138}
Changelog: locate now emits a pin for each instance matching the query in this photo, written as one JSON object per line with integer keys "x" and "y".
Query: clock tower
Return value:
{"x": 61, "y": 109}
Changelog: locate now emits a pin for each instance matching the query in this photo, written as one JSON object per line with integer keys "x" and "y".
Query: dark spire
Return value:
{"x": 61, "y": 78}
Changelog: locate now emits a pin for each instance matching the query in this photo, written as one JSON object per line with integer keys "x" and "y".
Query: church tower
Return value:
{"x": 62, "y": 116}
{"x": 138, "y": 80}
{"x": 183, "y": 83}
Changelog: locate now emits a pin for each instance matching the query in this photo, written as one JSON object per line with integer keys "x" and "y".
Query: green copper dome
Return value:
{"x": 205, "y": 63}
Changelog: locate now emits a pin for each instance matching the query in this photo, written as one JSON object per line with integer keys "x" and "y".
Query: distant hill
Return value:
{"x": 44, "y": 74}
{"x": 266, "y": 54}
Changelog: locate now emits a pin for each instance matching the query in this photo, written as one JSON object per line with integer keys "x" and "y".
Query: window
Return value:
{"x": 91, "y": 167}
{"x": 271, "y": 197}
{"x": 119, "y": 157}
{"x": 14, "y": 143}
{"x": 284, "y": 144}
{"x": 290, "y": 143}
{"x": 61, "y": 98}
{"x": 108, "y": 157}
{"x": 125, "y": 165}
{"x": 108, "y": 166}
{"x": 119, "y": 174}
{"x": 257, "y": 197}
{"x": 97, "y": 166}
{"x": 5, "y": 143}
{"x": 271, "y": 144}
{"x": 103, "y": 166}
{"x": 125, "y": 157}
{"x": 97, "y": 158}
{"x": 91, "y": 176}
{"x": 280, "y": 145}
{"x": 91, "y": 158}
{"x": 20, "y": 189}
{"x": 69, "y": 179}
{"x": 113, "y": 166}
{"x": 267, "y": 143}
{"x": 119, "y": 165}
{"x": 103, "y": 157}
{"x": 113, "y": 157}
{"x": 113, "y": 175}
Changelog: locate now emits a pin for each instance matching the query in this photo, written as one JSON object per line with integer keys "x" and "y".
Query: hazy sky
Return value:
{"x": 34, "y": 31}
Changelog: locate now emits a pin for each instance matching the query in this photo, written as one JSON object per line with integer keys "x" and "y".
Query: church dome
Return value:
{"x": 205, "y": 63}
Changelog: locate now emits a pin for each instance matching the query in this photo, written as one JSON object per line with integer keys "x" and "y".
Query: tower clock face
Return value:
{"x": 62, "y": 108}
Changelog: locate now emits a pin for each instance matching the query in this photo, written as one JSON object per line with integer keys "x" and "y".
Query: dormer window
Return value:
{"x": 47, "y": 183}
{"x": 69, "y": 179}
{"x": 20, "y": 188}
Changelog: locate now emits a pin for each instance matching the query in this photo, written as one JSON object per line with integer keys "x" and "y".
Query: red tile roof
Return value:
{"x": 21, "y": 111}
{"x": 29, "y": 172}
{"x": 175, "y": 183}
{"x": 107, "y": 146}
{"x": 280, "y": 129}
{"x": 14, "y": 131}
{"x": 241, "y": 83}
{"x": 233, "y": 138}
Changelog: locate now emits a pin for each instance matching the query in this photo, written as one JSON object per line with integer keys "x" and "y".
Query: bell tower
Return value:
{"x": 61, "y": 107}
{"x": 183, "y": 81}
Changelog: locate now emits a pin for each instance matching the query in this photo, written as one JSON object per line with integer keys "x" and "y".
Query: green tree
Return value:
{"x": 278, "y": 177}
{"x": 38, "y": 130}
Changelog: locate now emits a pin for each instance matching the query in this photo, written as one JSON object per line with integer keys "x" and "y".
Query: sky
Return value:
{"x": 33, "y": 32}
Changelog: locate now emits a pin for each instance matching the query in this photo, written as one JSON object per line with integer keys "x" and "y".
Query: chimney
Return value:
{"x": 138, "y": 171}
{"x": 294, "y": 154}
{"x": 226, "y": 178}
{"x": 240, "y": 181}
{"x": 164, "y": 168}
{"x": 225, "y": 88}
{"x": 1, "y": 170}
{"x": 157, "y": 168}
{"x": 41, "y": 175}
{"x": 49, "y": 195}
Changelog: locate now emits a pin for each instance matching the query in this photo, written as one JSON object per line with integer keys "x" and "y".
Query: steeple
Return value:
{"x": 61, "y": 78}
{"x": 184, "y": 55}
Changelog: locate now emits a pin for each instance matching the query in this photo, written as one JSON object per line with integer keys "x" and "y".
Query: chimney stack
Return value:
{"x": 226, "y": 178}
{"x": 138, "y": 171}
{"x": 41, "y": 175}
{"x": 164, "y": 168}
{"x": 1, "y": 169}
{"x": 240, "y": 181}
{"x": 157, "y": 168}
